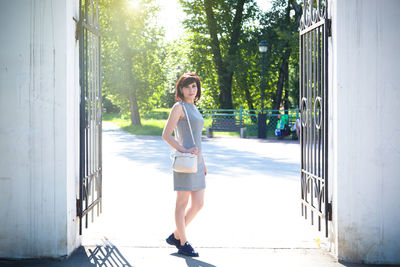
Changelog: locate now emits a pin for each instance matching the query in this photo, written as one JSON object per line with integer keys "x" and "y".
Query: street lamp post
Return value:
{"x": 262, "y": 118}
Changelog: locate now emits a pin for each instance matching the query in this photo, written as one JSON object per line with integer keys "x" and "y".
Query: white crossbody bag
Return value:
{"x": 185, "y": 162}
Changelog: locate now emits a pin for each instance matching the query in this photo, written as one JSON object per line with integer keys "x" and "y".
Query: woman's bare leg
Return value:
{"x": 197, "y": 203}
{"x": 182, "y": 198}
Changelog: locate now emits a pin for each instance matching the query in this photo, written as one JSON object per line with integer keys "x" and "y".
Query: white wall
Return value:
{"x": 39, "y": 128}
{"x": 365, "y": 130}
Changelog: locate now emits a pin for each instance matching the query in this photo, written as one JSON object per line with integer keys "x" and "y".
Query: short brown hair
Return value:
{"x": 185, "y": 80}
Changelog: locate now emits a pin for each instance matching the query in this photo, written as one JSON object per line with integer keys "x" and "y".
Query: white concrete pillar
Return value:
{"x": 39, "y": 128}
{"x": 365, "y": 130}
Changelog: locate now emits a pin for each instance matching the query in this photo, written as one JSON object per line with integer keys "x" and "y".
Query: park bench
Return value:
{"x": 225, "y": 125}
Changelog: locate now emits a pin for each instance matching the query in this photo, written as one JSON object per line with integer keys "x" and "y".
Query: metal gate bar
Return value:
{"x": 314, "y": 113}
{"x": 90, "y": 180}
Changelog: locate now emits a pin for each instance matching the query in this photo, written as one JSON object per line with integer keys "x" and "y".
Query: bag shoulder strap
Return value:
{"x": 190, "y": 127}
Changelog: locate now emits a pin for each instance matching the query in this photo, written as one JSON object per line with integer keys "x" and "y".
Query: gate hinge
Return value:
{"x": 329, "y": 211}
{"x": 78, "y": 207}
{"x": 76, "y": 28}
{"x": 329, "y": 26}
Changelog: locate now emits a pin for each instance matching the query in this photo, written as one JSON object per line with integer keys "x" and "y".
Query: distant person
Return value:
{"x": 282, "y": 127}
{"x": 187, "y": 185}
{"x": 296, "y": 128}
{"x": 282, "y": 120}
{"x": 297, "y": 125}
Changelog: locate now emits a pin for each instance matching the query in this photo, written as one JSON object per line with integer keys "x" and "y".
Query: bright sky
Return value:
{"x": 171, "y": 16}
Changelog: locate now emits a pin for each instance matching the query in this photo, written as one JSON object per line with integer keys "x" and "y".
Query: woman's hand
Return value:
{"x": 205, "y": 168}
{"x": 192, "y": 150}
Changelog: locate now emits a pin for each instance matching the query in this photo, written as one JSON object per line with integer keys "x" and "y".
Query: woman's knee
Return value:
{"x": 198, "y": 199}
{"x": 181, "y": 205}
{"x": 182, "y": 201}
{"x": 198, "y": 204}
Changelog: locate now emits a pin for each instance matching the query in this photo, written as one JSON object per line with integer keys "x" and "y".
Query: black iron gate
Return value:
{"x": 314, "y": 32}
{"x": 90, "y": 182}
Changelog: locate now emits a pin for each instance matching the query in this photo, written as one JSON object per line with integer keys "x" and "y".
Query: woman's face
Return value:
{"x": 189, "y": 92}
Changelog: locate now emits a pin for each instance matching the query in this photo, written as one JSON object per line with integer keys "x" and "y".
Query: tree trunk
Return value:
{"x": 248, "y": 97}
{"x": 286, "y": 100}
{"x": 226, "y": 99}
{"x": 283, "y": 70}
{"x": 297, "y": 13}
{"x": 250, "y": 103}
{"x": 135, "y": 116}
{"x": 225, "y": 88}
{"x": 215, "y": 48}
{"x": 131, "y": 94}
{"x": 224, "y": 69}
{"x": 286, "y": 89}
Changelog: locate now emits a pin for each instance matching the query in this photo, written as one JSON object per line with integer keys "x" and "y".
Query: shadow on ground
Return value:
{"x": 105, "y": 254}
{"x": 192, "y": 262}
{"x": 147, "y": 149}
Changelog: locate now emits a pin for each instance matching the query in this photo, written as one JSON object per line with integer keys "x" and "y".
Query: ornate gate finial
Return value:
{"x": 313, "y": 12}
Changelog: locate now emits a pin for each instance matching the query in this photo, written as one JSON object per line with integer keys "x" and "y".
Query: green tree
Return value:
{"x": 132, "y": 55}
{"x": 224, "y": 37}
{"x": 216, "y": 26}
{"x": 281, "y": 26}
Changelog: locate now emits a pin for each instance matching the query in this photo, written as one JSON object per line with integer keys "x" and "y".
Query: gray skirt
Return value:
{"x": 191, "y": 181}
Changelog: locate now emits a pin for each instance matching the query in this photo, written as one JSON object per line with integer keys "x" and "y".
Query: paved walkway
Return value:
{"x": 251, "y": 215}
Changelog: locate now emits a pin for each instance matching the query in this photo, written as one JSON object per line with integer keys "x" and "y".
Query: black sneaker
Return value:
{"x": 187, "y": 250}
{"x": 173, "y": 241}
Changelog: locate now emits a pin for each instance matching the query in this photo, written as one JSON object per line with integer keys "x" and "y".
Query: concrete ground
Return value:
{"x": 251, "y": 215}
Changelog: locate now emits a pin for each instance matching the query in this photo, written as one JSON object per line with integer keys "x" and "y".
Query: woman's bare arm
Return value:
{"x": 174, "y": 116}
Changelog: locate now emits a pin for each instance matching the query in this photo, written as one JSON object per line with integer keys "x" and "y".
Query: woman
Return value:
{"x": 187, "y": 185}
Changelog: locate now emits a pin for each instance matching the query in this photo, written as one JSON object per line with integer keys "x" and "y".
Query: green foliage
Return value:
{"x": 281, "y": 30}
{"x": 108, "y": 106}
{"x": 132, "y": 55}
{"x": 175, "y": 64}
{"x": 274, "y": 26}
{"x": 139, "y": 66}
{"x": 204, "y": 54}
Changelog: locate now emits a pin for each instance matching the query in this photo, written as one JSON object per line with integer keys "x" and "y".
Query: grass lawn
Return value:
{"x": 149, "y": 126}
{"x": 153, "y": 124}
